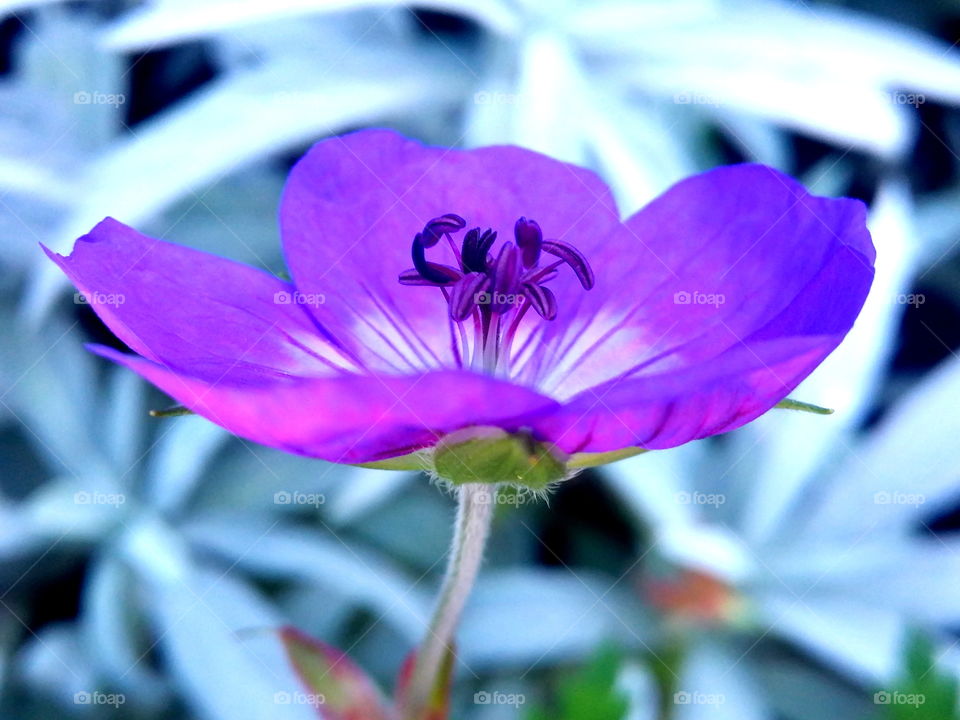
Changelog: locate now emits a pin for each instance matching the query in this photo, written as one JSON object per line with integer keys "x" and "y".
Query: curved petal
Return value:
{"x": 353, "y": 204}
{"x": 349, "y": 418}
{"x": 765, "y": 282}
{"x": 194, "y": 312}
{"x": 712, "y": 260}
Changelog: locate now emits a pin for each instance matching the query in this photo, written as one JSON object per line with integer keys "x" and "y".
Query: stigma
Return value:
{"x": 492, "y": 288}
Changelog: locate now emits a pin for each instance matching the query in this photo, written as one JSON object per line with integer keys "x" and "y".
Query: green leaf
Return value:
{"x": 926, "y": 692}
{"x": 589, "y": 693}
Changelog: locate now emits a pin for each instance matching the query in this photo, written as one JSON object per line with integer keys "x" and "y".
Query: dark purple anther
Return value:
{"x": 432, "y": 273}
{"x": 468, "y": 252}
{"x": 529, "y": 239}
{"x": 475, "y": 249}
{"x": 440, "y": 226}
{"x": 466, "y": 294}
{"x": 505, "y": 279}
{"x": 486, "y": 242}
{"x": 572, "y": 257}
{"x": 413, "y": 276}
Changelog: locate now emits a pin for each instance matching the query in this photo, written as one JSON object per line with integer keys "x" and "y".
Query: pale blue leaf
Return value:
{"x": 529, "y": 618}
{"x": 714, "y": 683}
{"x": 276, "y": 552}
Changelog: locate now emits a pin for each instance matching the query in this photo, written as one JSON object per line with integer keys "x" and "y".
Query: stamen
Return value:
{"x": 465, "y": 294}
{"x": 529, "y": 239}
{"x": 440, "y": 226}
{"x": 541, "y": 299}
{"x": 495, "y": 292}
{"x": 475, "y": 249}
{"x": 572, "y": 257}
{"x": 413, "y": 276}
{"x": 428, "y": 271}
{"x": 505, "y": 279}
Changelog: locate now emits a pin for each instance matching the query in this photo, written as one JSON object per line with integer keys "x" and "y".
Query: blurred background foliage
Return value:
{"x": 800, "y": 568}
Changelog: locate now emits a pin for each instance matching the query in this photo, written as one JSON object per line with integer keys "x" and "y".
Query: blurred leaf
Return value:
{"x": 168, "y": 21}
{"x": 590, "y": 693}
{"x": 714, "y": 683}
{"x": 826, "y": 71}
{"x": 181, "y": 453}
{"x": 220, "y": 128}
{"x": 341, "y": 689}
{"x": 926, "y": 692}
{"x": 113, "y": 637}
{"x": 519, "y": 617}
{"x": 904, "y": 470}
{"x": 321, "y": 559}
{"x": 212, "y": 629}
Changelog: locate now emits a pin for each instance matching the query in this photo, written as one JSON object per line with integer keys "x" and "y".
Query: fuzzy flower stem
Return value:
{"x": 474, "y": 513}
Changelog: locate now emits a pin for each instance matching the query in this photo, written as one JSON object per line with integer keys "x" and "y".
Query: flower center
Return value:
{"x": 492, "y": 290}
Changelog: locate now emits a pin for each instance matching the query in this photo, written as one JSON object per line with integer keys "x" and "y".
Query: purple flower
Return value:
{"x": 415, "y": 270}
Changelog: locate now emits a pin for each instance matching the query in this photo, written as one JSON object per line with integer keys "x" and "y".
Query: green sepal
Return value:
{"x": 791, "y": 404}
{"x": 420, "y": 460}
{"x": 417, "y": 460}
{"x": 174, "y": 411}
{"x": 492, "y": 455}
{"x": 588, "y": 460}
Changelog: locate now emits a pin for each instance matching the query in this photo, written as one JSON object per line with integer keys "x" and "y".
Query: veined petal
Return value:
{"x": 748, "y": 283}
{"x": 711, "y": 261}
{"x": 195, "y": 312}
